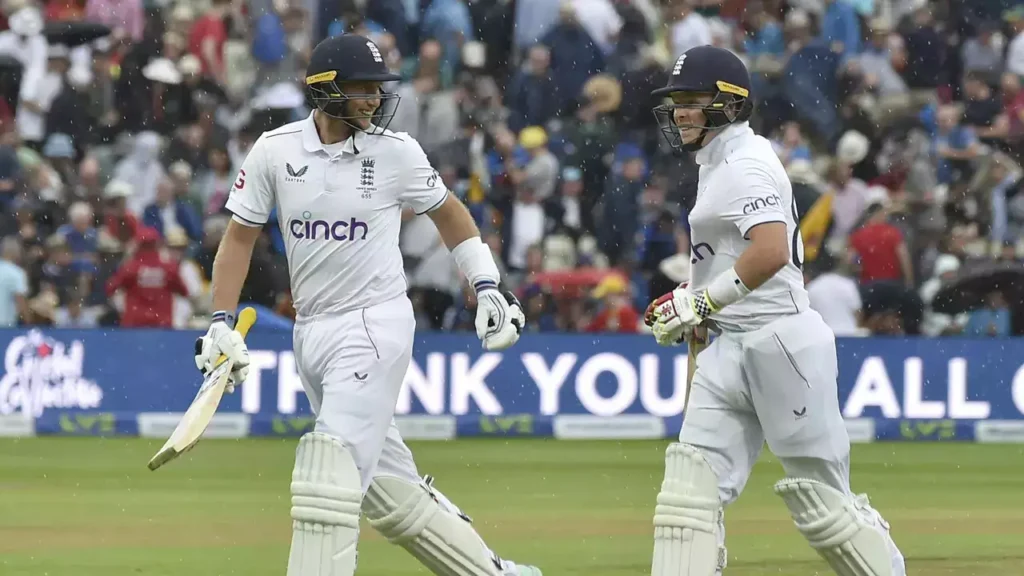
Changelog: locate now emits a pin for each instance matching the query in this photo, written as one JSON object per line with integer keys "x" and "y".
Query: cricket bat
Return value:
{"x": 199, "y": 414}
{"x": 696, "y": 344}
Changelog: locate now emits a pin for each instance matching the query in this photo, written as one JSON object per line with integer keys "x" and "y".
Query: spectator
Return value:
{"x": 616, "y": 312}
{"x": 75, "y": 314}
{"x": 689, "y": 29}
{"x": 575, "y": 56}
{"x": 149, "y": 283}
{"x": 835, "y": 295}
{"x": 37, "y": 96}
{"x": 621, "y": 221}
{"x": 955, "y": 145}
{"x": 880, "y": 251}
{"x": 992, "y": 321}
{"x": 530, "y": 92}
{"x": 168, "y": 214}
{"x": 840, "y": 28}
{"x": 983, "y": 53}
{"x": 81, "y": 237}
{"x": 13, "y": 284}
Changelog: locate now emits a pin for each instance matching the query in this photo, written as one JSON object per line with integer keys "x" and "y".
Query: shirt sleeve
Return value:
{"x": 253, "y": 195}
{"x": 423, "y": 190}
{"x": 21, "y": 283}
{"x": 754, "y": 197}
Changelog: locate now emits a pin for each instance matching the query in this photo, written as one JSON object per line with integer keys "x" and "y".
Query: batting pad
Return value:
{"x": 326, "y": 494}
{"x": 428, "y": 526}
{"x": 688, "y": 517}
{"x": 845, "y": 531}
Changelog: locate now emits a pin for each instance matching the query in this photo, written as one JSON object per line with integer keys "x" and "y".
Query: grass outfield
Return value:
{"x": 89, "y": 507}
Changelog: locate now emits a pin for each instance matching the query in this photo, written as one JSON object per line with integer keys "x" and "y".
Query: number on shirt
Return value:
{"x": 798, "y": 240}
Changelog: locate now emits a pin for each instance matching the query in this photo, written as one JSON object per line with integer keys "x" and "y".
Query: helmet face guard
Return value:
{"x": 324, "y": 92}
{"x": 730, "y": 104}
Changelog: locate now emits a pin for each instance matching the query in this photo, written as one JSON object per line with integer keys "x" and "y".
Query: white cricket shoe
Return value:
{"x": 509, "y": 568}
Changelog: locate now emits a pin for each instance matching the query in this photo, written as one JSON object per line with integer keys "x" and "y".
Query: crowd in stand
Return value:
{"x": 900, "y": 123}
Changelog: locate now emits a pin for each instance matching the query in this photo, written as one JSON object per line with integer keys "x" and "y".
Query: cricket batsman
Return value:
{"x": 770, "y": 375}
{"x": 339, "y": 181}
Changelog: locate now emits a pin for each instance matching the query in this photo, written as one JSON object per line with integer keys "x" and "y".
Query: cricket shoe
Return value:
{"x": 509, "y": 568}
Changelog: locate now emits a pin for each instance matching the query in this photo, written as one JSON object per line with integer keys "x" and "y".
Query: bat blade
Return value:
{"x": 203, "y": 407}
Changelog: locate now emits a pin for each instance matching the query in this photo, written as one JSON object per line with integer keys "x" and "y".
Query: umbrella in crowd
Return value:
{"x": 72, "y": 33}
{"x": 975, "y": 282}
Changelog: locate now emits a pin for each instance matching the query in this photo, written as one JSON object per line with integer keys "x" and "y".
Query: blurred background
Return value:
{"x": 123, "y": 124}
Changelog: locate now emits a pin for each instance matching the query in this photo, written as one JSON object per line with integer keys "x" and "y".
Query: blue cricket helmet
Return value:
{"x": 705, "y": 70}
{"x": 345, "y": 59}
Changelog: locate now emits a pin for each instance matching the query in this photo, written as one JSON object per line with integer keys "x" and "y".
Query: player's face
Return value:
{"x": 689, "y": 115}
{"x": 363, "y": 101}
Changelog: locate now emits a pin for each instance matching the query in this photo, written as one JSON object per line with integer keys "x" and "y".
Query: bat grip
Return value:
{"x": 245, "y": 321}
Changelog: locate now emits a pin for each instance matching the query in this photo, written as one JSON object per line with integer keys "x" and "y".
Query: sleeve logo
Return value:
{"x": 240, "y": 182}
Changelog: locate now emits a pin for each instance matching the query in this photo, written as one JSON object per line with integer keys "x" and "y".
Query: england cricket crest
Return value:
{"x": 366, "y": 177}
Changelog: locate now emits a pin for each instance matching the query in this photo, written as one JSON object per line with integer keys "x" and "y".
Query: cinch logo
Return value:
{"x": 306, "y": 229}
{"x": 759, "y": 203}
{"x": 700, "y": 251}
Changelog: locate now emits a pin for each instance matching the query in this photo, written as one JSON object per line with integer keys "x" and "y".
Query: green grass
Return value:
{"x": 89, "y": 507}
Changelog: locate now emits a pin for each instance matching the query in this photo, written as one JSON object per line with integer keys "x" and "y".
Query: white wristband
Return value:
{"x": 475, "y": 261}
{"x": 726, "y": 289}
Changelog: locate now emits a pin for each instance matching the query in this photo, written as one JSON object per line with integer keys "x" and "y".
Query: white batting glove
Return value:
{"x": 222, "y": 339}
{"x": 499, "y": 318}
{"x": 673, "y": 316}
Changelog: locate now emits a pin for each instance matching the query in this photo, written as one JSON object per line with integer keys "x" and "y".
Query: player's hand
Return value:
{"x": 499, "y": 318}
{"x": 220, "y": 339}
{"x": 676, "y": 314}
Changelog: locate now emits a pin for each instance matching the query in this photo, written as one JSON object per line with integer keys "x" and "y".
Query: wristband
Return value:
{"x": 476, "y": 263}
{"x": 225, "y": 317}
{"x": 725, "y": 289}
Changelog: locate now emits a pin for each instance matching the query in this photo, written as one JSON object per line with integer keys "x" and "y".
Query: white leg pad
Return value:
{"x": 420, "y": 519}
{"x": 688, "y": 518}
{"x": 845, "y": 531}
{"x": 326, "y": 496}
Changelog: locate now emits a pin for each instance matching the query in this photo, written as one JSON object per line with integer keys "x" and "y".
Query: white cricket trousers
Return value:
{"x": 777, "y": 383}
{"x": 352, "y": 366}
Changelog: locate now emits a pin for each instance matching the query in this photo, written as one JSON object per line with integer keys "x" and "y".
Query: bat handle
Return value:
{"x": 245, "y": 321}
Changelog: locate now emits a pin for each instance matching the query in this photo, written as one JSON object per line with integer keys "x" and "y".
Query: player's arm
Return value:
{"x": 231, "y": 264}
{"x": 767, "y": 253}
{"x": 754, "y": 205}
{"x": 250, "y": 202}
{"x": 426, "y": 193}
{"x": 499, "y": 317}
{"x": 462, "y": 237}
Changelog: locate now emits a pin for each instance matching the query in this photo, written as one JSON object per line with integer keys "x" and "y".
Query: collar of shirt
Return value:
{"x": 312, "y": 143}
{"x": 723, "y": 144}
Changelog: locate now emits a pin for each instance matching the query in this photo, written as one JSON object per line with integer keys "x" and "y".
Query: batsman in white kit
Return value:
{"x": 339, "y": 181}
{"x": 770, "y": 374}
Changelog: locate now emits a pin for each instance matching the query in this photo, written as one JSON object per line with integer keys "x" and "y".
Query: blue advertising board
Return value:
{"x": 60, "y": 377}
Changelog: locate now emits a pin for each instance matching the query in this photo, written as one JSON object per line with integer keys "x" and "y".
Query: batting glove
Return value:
{"x": 673, "y": 316}
{"x": 499, "y": 318}
{"x": 222, "y": 339}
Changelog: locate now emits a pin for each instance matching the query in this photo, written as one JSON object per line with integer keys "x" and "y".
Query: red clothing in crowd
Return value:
{"x": 209, "y": 26}
{"x": 125, "y": 228}
{"x": 877, "y": 245}
{"x": 149, "y": 283}
{"x": 624, "y": 320}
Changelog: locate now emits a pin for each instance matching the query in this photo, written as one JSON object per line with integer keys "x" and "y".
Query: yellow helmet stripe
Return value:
{"x": 732, "y": 89}
{"x": 322, "y": 77}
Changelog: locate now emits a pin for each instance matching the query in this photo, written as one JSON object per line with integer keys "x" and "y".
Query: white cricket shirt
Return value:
{"x": 742, "y": 183}
{"x": 339, "y": 208}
